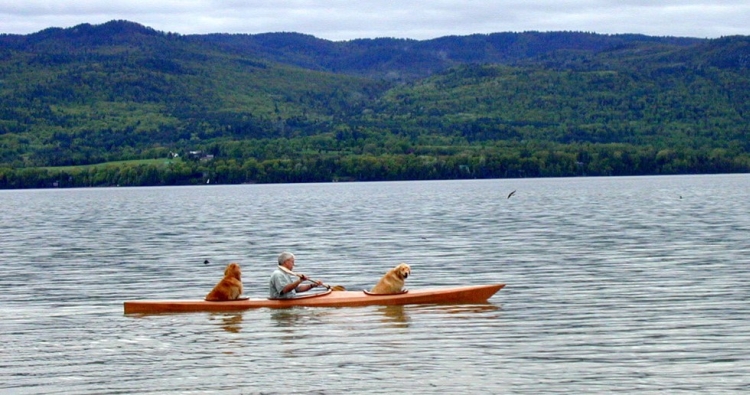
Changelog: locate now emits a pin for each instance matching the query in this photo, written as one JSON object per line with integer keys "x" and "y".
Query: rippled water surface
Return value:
{"x": 630, "y": 285}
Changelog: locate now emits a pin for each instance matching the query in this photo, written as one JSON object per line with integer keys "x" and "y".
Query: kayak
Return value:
{"x": 329, "y": 298}
{"x": 450, "y": 295}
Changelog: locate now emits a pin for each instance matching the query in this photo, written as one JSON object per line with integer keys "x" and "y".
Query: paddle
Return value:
{"x": 333, "y": 288}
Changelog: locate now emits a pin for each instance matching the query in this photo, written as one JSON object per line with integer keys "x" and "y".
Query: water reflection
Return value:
{"x": 229, "y": 322}
{"x": 394, "y": 316}
{"x": 402, "y": 315}
{"x": 459, "y": 311}
{"x": 289, "y": 321}
{"x": 286, "y": 318}
{"x": 467, "y": 308}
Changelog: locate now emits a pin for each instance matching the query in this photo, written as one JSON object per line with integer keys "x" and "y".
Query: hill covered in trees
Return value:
{"x": 288, "y": 107}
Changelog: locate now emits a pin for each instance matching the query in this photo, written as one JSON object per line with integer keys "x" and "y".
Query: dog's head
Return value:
{"x": 233, "y": 270}
{"x": 403, "y": 270}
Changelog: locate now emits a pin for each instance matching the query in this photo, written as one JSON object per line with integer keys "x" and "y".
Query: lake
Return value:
{"x": 617, "y": 285}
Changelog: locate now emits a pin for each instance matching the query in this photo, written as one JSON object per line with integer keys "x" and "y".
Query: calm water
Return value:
{"x": 629, "y": 285}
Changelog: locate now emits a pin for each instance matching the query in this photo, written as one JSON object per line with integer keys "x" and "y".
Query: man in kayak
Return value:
{"x": 284, "y": 283}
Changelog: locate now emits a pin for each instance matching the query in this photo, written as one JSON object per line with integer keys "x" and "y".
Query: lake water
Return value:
{"x": 617, "y": 285}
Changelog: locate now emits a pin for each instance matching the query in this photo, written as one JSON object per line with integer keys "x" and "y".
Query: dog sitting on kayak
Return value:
{"x": 393, "y": 281}
{"x": 230, "y": 287}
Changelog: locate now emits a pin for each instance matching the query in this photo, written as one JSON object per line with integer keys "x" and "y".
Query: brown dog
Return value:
{"x": 230, "y": 287}
{"x": 393, "y": 281}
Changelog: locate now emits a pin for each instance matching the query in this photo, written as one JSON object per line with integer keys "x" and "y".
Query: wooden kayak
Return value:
{"x": 450, "y": 295}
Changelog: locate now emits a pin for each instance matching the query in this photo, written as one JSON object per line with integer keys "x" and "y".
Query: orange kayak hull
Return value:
{"x": 448, "y": 295}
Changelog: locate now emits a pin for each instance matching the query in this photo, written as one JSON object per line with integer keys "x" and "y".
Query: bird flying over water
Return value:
{"x": 511, "y": 194}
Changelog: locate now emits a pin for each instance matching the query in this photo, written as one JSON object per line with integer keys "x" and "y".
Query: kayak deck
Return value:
{"x": 449, "y": 295}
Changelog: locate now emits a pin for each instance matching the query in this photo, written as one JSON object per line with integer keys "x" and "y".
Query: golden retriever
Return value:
{"x": 230, "y": 287}
{"x": 393, "y": 281}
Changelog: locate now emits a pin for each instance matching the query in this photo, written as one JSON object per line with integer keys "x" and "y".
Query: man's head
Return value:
{"x": 285, "y": 256}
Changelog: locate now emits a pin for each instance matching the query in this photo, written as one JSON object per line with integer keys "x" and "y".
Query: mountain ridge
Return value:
{"x": 121, "y": 91}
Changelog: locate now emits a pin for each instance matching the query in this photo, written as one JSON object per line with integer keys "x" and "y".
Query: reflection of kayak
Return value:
{"x": 451, "y": 295}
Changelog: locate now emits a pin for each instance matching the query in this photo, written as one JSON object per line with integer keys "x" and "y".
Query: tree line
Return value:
{"x": 499, "y": 161}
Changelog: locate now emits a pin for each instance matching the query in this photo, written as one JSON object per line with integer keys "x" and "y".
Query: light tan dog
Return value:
{"x": 230, "y": 287}
{"x": 393, "y": 281}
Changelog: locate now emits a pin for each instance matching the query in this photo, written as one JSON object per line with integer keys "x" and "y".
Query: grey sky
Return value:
{"x": 350, "y": 19}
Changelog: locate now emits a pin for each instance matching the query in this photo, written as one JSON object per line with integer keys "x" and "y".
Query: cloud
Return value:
{"x": 346, "y": 19}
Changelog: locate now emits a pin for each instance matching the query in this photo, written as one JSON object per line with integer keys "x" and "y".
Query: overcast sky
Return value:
{"x": 350, "y": 19}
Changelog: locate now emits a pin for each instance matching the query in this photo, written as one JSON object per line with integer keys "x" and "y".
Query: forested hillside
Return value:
{"x": 123, "y": 104}
{"x": 404, "y": 60}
